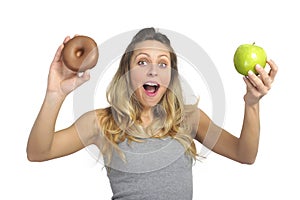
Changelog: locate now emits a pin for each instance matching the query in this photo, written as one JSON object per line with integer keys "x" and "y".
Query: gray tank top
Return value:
{"x": 156, "y": 169}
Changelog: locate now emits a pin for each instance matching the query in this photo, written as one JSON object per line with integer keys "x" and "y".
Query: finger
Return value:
{"x": 264, "y": 76}
{"x": 274, "y": 69}
{"x": 251, "y": 89}
{"x": 57, "y": 55}
{"x": 257, "y": 82}
{"x": 250, "y": 80}
{"x": 59, "y": 50}
{"x": 249, "y": 85}
{"x": 82, "y": 78}
{"x": 66, "y": 39}
{"x": 86, "y": 75}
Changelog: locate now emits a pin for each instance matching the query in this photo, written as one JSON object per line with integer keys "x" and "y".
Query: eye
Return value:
{"x": 162, "y": 65}
{"x": 142, "y": 63}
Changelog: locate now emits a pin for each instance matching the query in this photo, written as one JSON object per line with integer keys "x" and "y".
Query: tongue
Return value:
{"x": 150, "y": 88}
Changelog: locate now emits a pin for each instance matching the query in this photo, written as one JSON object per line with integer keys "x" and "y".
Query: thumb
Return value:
{"x": 82, "y": 77}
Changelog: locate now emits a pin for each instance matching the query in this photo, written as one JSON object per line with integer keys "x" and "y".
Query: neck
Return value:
{"x": 146, "y": 116}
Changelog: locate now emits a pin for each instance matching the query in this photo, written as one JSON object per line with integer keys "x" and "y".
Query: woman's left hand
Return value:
{"x": 259, "y": 85}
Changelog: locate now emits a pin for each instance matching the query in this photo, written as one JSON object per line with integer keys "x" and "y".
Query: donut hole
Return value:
{"x": 79, "y": 52}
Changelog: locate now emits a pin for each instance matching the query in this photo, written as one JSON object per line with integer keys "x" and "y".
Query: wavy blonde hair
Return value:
{"x": 123, "y": 119}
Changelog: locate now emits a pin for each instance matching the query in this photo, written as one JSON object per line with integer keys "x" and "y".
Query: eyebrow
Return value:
{"x": 162, "y": 55}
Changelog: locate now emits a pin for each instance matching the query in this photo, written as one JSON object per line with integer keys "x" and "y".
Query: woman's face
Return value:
{"x": 150, "y": 71}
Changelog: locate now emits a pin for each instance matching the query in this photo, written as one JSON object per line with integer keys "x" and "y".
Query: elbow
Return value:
{"x": 35, "y": 157}
{"x": 246, "y": 157}
{"x": 32, "y": 158}
{"x": 247, "y": 161}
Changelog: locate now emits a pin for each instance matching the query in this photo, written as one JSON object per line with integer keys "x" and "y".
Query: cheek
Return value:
{"x": 165, "y": 78}
{"x": 136, "y": 79}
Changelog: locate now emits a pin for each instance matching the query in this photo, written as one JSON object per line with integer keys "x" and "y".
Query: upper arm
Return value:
{"x": 215, "y": 138}
{"x": 79, "y": 135}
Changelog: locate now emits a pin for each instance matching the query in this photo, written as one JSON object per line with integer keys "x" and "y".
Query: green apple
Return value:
{"x": 247, "y": 56}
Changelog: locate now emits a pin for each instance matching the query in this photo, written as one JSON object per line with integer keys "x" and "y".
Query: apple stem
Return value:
{"x": 253, "y": 43}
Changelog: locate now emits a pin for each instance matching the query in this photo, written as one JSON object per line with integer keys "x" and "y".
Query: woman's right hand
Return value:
{"x": 61, "y": 80}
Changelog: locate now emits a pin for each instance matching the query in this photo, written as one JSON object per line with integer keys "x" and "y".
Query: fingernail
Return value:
{"x": 258, "y": 67}
{"x": 79, "y": 74}
{"x": 250, "y": 72}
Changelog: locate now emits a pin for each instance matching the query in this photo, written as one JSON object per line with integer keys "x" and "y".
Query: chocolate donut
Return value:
{"x": 80, "y": 53}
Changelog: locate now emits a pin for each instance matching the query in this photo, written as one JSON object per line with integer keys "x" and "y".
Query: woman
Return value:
{"x": 147, "y": 134}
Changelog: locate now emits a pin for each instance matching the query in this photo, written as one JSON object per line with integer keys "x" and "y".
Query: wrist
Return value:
{"x": 251, "y": 101}
{"x": 252, "y": 106}
{"x": 54, "y": 97}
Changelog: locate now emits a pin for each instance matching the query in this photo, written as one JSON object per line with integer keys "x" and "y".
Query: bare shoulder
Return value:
{"x": 88, "y": 125}
{"x": 93, "y": 116}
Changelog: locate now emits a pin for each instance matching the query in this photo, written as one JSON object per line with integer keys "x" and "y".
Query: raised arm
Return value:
{"x": 243, "y": 149}
{"x": 44, "y": 143}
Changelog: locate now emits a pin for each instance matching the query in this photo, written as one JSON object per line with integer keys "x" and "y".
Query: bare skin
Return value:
{"x": 45, "y": 143}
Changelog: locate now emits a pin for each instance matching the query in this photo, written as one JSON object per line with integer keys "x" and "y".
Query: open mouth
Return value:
{"x": 151, "y": 88}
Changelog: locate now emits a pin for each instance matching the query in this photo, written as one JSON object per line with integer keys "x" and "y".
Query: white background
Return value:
{"x": 31, "y": 31}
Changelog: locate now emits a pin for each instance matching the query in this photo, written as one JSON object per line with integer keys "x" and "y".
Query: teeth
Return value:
{"x": 151, "y": 84}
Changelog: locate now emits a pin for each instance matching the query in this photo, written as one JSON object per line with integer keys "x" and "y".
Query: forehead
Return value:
{"x": 151, "y": 46}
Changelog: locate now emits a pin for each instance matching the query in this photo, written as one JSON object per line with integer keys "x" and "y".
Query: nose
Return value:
{"x": 152, "y": 70}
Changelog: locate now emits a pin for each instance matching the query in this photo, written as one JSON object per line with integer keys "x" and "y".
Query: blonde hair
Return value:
{"x": 122, "y": 120}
